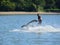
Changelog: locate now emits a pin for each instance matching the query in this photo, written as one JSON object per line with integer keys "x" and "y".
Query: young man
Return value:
{"x": 39, "y": 19}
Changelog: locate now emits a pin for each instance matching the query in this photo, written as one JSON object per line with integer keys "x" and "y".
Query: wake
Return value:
{"x": 37, "y": 29}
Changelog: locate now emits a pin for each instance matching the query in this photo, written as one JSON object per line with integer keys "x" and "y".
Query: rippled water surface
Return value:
{"x": 8, "y": 23}
{"x": 13, "y": 38}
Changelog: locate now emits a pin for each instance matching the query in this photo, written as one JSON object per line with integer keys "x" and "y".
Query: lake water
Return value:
{"x": 8, "y": 23}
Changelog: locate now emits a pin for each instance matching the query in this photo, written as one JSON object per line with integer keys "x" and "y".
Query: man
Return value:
{"x": 39, "y": 21}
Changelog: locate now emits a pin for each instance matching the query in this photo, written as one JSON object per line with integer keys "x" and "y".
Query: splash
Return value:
{"x": 37, "y": 29}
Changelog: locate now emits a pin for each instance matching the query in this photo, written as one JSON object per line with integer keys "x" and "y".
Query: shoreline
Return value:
{"x": 28, "y": 13}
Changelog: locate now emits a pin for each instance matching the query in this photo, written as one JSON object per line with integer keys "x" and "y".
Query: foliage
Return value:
{"x": 29, "y": 5}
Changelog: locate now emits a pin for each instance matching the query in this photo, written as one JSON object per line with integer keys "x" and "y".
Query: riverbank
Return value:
{"x": 28, "y": 13}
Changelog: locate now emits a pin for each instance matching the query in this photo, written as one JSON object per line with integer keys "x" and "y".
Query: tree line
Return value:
{"x": 30, "y": 5}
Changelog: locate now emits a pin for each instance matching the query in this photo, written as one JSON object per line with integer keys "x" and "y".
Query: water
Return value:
{"x": 9, "y": 38}
{"x": 8, "y": 23}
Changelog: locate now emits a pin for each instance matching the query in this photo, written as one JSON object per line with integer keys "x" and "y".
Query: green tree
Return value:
{"x": 38, "y": 4}
{"x": 7, "y": 5}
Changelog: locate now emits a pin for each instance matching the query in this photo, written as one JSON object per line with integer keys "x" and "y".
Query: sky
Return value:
{"x": 9, "y": 22}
